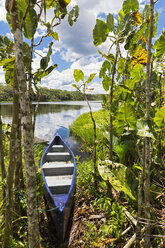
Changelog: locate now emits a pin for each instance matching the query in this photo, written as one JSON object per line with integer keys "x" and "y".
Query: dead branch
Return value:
{"x": 126, "y": 231}
{"x": 130, "y": 217}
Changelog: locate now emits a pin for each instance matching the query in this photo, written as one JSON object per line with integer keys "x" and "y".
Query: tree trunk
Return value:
{"x": 147, "y": 242}
{"x": 11, "y": 168}
{"x": 140, "y": 198}
{"x": 110, "y": 102}
{"x": 31, "y": 188}
{"x": 3, "y": 169}
{"x": 18, "y": 184}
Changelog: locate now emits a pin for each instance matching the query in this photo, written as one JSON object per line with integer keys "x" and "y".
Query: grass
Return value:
{"x": 82, "y": 127}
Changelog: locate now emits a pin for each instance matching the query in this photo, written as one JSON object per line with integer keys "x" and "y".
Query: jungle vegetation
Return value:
{"x": 47, "y": 95}
{"x": 120, "y": 190}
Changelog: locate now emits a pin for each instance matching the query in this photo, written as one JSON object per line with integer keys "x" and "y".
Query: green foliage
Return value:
{"x": 100, "y": 32}
{"x": 115, "y": 173}
{"x": 125, "y": 117}
{"x": 82, "y": 126}
{"x": 130, "y": 5}
{"x": 73, "y": 15}
{"x": 78, "y": 75}
{"x": 160, "y": 46}
{"x": 143, "y": 129}
{"x": 110, "y": 22}
{"x": 159, "y": 118}
{"x": 124, "y": 27}
{"x": 30, "y": 24}
{"x": 47, "y": 95}
{"x": 45, "y": 60}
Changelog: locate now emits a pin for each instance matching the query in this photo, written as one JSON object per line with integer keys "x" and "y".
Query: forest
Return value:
{"x": 119, "y": 200}
{"x": 47, "y": 95}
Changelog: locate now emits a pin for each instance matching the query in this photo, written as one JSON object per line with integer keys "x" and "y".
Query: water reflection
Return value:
{"x": 54, "y": 117}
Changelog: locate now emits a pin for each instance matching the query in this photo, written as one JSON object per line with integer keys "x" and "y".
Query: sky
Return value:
{"x": 75, "y": 48}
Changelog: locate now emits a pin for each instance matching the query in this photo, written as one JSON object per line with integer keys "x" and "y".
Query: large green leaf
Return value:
{"x": 120, "y": 65}
{"x": 110, "y": 22}
{"x": 100, "y": 32}
{"x": 116, "y": 174}
{"x": 160, "y": 45}
{"x": 159, "y": 118}
{"x": 137, "y": 35}
{"x": 143, "y": 129}
{"x": 130, "y": 5}
{"x": 105, "y": 69}
{"x": 125, "y": 117}
{"x": 30, "y": 23}
{"x": 130, "y": 83}
{"x": 125, "y": 26}
{"x": 78, "y": 75}
{"x": 5, "y": 62}
{"x": 106, "y": 82}
{"x": 136, "y": 73}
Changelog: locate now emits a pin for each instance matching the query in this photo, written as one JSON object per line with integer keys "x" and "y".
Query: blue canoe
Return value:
{"x": 59, "y": 172}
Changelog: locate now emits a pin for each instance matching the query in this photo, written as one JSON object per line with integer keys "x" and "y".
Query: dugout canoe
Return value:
{"x": 59, "y": 173}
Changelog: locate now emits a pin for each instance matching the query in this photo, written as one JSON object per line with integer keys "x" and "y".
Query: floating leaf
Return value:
{"x": 100, "y": 32}
{"x": 115, "y": 173}
{"x": 78, "y": 75}
{"x": 139, "y": 56}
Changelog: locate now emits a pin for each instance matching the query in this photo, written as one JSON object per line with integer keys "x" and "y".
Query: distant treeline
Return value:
{"x": 48, "y": 95}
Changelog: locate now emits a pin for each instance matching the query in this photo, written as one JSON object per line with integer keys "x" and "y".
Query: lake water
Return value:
{"x": 54, "y": 117}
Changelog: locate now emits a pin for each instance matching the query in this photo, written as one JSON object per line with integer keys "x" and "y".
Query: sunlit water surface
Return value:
{"x": 54, "y": 117}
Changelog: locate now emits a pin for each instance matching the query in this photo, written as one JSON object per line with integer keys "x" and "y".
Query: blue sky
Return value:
{"x": 75, "y": 49}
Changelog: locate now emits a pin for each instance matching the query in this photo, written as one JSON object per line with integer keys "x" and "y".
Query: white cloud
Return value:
{"x": 76, "y": 43}
{"x": 2, "y": 11}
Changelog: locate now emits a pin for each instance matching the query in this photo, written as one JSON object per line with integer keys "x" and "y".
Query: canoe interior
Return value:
{"x": 58, "y": 169}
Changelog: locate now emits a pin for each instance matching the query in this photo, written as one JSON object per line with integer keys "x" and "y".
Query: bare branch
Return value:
{"x": 44, "y": 36}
